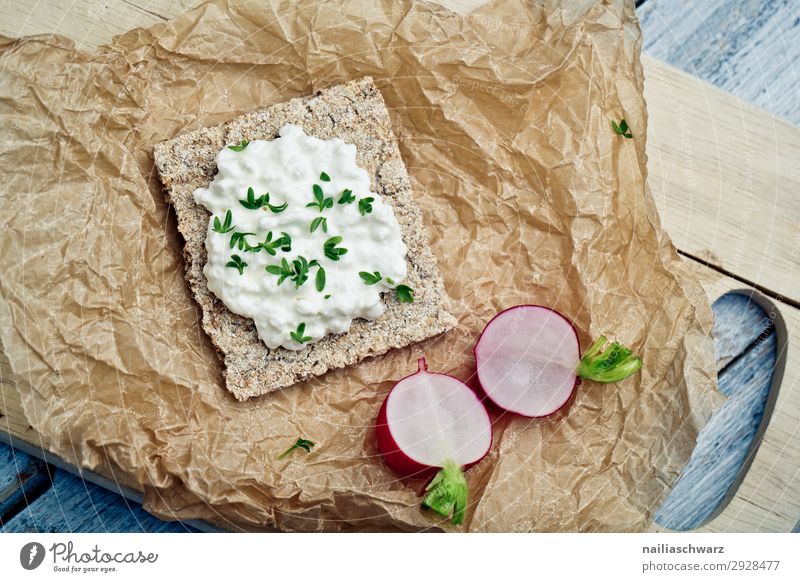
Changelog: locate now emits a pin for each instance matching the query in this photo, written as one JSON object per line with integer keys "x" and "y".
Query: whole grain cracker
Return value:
{"x": 356, "y": 113}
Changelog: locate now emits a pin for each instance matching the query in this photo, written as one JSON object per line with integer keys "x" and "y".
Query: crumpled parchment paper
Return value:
{"x": 503, "y": 118}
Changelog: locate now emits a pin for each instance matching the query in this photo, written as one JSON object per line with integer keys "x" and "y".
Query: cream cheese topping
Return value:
{"x": 287, "y": 175}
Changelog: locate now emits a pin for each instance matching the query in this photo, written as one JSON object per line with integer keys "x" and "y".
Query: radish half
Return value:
{"x": 433, "y": 421}
{"x": 528, "y": 360}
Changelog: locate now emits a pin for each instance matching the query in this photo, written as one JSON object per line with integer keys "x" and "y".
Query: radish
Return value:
{"x": 433, "y": 421}
{"x": 528, "y": 360}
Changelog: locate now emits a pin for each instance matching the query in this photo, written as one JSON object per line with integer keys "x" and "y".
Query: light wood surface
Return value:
{"x": 724, "y": 174}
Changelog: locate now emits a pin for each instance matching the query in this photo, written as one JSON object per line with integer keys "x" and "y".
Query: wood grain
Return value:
{"x": 723, "y": 445}
{"x": 746, "y": 47}
{"x": 74, "y": 505}
{"x": 725, "y": 177}
{"x": 768, "y": 498}
{"x": 22, "y": 480}
{"x": 738, "y": 323}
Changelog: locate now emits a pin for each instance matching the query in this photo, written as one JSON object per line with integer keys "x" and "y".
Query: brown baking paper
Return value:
{"x": 503, "y": 119}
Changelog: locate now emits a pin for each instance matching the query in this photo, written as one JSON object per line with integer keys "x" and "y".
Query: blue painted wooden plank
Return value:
{"x": 747, "y": 47}
{"x": 74, "y": 505}
{"x": 723, "y": 444}
{"x": 22, "y": 479}
{"x": 738, "y": 322}
{"x": 12, "y": 462}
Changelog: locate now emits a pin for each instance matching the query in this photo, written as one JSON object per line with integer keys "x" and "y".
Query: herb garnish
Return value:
{"x": 253, "y": 203}
{"x": 319, "y": 282}
{"x": 276, "y": 209}
{"x": 301, "y": 269}
{"x": 370, "y": 278}
{"x": 365, "y": 205}
{"x": 283, "y": 270}
{"x": 238, "y": 240}
{"x": 347, "y": 197}
{"x": 330, "y": 249}
{"x": 225, "y": 226}
{"x": 320, "y": 201}
{"x": 240, "y": 147}
{"x": 284, "y": 243}
{"x": 237, "y": 263}
{"x": 621, "y": 129}
{"x": 324, "y": 177}
{"x": 299, "y": 336}
{"x": 327, "y": 297}
{"x": 299, "y": 444}
{"x": 390, "y": 280}
{"x": 298, "y": 271}
{"x": 319, "y": 221}
{"x": 405, "y": 294}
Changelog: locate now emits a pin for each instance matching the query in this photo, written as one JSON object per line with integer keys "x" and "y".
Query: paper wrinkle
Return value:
{"x": 503, "y": 122}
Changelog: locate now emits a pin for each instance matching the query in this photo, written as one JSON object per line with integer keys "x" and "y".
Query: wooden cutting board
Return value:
{"x": 725, "y": 177}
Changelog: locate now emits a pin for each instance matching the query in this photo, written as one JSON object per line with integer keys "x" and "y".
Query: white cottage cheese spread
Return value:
{"x": 264, "y": 261}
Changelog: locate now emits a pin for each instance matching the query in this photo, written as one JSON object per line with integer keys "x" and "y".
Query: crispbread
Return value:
{"x": 356, "y": 113}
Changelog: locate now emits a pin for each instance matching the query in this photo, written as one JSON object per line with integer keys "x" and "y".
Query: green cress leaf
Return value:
{"x": 370, "y": 278}
{"x": 301, "y": 269}
{"x": 237, "y": 263}
{"x": 283, "y": 271}
{"x": 253, "y": 203}
{"x": 324, "y": 177}
{"x": 225, "y": 226}
{"x": 240, "y": 147}
{"x": 299, "y": 335}
{"x": 621, "y": 129}
{"x": 331, "y": 251}
{"x": 320, "y": 280}
{"x": 284, "y": 243}
{"x": 238, "y": 240}
{"x": 347, "y": 197}
{"x": 300, "y": 443}
{"x": 276, "y": 209}
{"x": 405, "y": 294}
{"x": 320, "y": 201}
{"x": 319, "y": 221}
{"x": 365, "y": 205}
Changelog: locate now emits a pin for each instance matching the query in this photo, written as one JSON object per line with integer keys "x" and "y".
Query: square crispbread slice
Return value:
{"x": 356, "y": 113}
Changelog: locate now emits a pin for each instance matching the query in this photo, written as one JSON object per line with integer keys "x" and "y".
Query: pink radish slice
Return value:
{"x": 431, "y": 421}
{"x": 526, "y": 359}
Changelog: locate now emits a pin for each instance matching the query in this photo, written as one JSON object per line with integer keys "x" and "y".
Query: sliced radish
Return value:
{"x": 431, "y": 421}
{"x": 528, "y": 360}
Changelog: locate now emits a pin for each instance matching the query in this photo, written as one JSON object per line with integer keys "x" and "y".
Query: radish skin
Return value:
{"x": 433, "y": 423}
